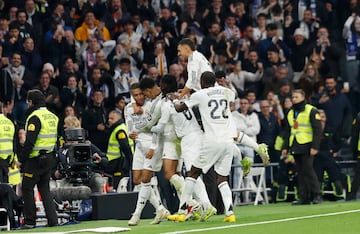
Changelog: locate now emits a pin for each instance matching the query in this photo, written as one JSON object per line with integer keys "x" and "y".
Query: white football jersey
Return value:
{"x": 142, "y": 123}
{"x": 183, "y": 122}
{"x": 197, "y": 64}
{"x": 214, "y": 107}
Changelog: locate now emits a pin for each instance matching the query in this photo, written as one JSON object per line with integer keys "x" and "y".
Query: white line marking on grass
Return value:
{"x": 264, "y": 222}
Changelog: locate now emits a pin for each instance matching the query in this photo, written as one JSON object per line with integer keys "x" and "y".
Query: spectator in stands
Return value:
{"x": 26, "y": 30}
{"x": 238, "y": 77}
{"x": 4, "y": 28}
{"x": 123, "y": 78}
{"x": 73, "y": 94}
{"x": 13, "y": 41}
{"x": 250, "y": 64}
{"x": 115, "y": 14}
{"x": 277, "y": 68}
{"x": 69, "y": 67}
{"x": 285, "y": 91}
{"x": 272, "y": 38}
{"x": 50, "y": 92}
{"x": 211, "y": 40}
{"x": 60, "y": 45}
{"x": 254, "y": 104}
{"x": 35, "y": 18}
{"x": 309, "y": 79}
{"x": 153, "y": 73}
{"x": 275, "y": 105}
{"x": 97, "y": 81}
{"x": 94, "y": 120}
{"x": 190, "y": 17}
{"x": 22, "y": 80}
{"x": 329, "y": 53}
{"x": 161, "y": 61}
{"x": 31, "y": 58}
{"x": 337, "y": 109}
{"x": 260, "y": 30}
{"x": 59, "y": 14}
{"x": 298, "y": 58}
{"x": 217, "y": 13}
{"x": 89, "y": 26}
{"x": 98, "y": 7}
{"x": 308, "y": 25}
{"x": 351, "y": 35}
{"x": 176, "y": 70}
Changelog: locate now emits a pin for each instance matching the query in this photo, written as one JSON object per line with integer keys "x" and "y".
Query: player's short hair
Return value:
{"x": 147, "y": 83}
{"x": 208, "y": 78}
{"x": 171, "y": 84}
{"x": 135, "y": 86}
{"x": 188, "y": 42}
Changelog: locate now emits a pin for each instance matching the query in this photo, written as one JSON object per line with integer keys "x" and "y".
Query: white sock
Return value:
{"x": 226, "y": 197}
{"x": 155, "y": 199}
{"x": 143, "y": 197}
{"x": 244, "y": 139}
{"x": 201, "y": 195}
{"x": 137, "y": 188}
{"x": 187, "y": 193}
{"x": 178, "y": 182}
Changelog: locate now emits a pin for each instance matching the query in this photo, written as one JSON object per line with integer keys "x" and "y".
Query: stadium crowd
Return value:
{"x": 261, "y": 49}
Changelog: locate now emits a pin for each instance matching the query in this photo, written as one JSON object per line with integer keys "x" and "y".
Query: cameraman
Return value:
{"x": 83, "y": 178}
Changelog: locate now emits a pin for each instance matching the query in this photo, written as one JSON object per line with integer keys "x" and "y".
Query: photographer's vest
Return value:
{"x": 7, "y": 131}
{"x": 303, "y": 132}
{"x": 47, "y": 137}
{"x": 113, "y": 150}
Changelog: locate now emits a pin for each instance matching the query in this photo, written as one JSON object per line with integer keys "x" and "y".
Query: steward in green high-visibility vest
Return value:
{"x": 38, "y": 158}
{"x": 302, "y": 140}
{"x": 120, "y": 149}
{"x": 7, "y": 131}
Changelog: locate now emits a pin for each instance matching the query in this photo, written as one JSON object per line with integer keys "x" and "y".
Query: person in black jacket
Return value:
{"x": 355, "y": 185}
{"x": 325, "y": 159}
{"x": 302, "y": 140}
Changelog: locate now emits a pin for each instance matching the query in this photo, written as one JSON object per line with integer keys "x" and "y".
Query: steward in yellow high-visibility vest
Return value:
{"x": 302, "y": 140}
{"x": 7, "y": 131}
{"x": 37, "y": 158}
{"x": 120, "y": 149}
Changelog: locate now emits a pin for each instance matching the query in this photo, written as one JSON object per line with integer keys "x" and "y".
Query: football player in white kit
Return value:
{"x": 216, "y": 146}
{"x": 196, "y": 65}
{"x": 147, "y": 157}
{"x": 189, "y": 133}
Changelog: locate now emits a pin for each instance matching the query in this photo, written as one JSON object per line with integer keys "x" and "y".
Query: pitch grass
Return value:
{"x": 336, "y": 224}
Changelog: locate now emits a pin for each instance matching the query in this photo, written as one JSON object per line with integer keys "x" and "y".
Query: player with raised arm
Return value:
{"x": 196, "y": 65}
{"x": 217, "y": 144}
{"x": 147, "y": 157}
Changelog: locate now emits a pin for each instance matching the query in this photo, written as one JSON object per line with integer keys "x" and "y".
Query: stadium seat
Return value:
{"x": 254, "y": 182}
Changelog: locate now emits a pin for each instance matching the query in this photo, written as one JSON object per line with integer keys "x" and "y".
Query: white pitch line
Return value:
{"x": 264, "y": 222}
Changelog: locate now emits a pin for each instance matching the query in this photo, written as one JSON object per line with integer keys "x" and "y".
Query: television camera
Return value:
{"x": 78, "y": 157}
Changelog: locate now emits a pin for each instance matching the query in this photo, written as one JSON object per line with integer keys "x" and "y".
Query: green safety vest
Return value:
{"x": 7, "y": 131}
{"x": 303, "y": 133}
{"x": 113, "y": 150}
{"x": 47, "y": 137}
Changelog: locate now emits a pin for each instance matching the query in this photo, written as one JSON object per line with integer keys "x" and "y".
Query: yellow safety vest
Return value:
{"x": 113, "y": 150}
{"x": 359, "y": 142}
{"x": 303, "y": 133}
{"x": 47, "y": 137}
{"x": 7, "y": 131}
